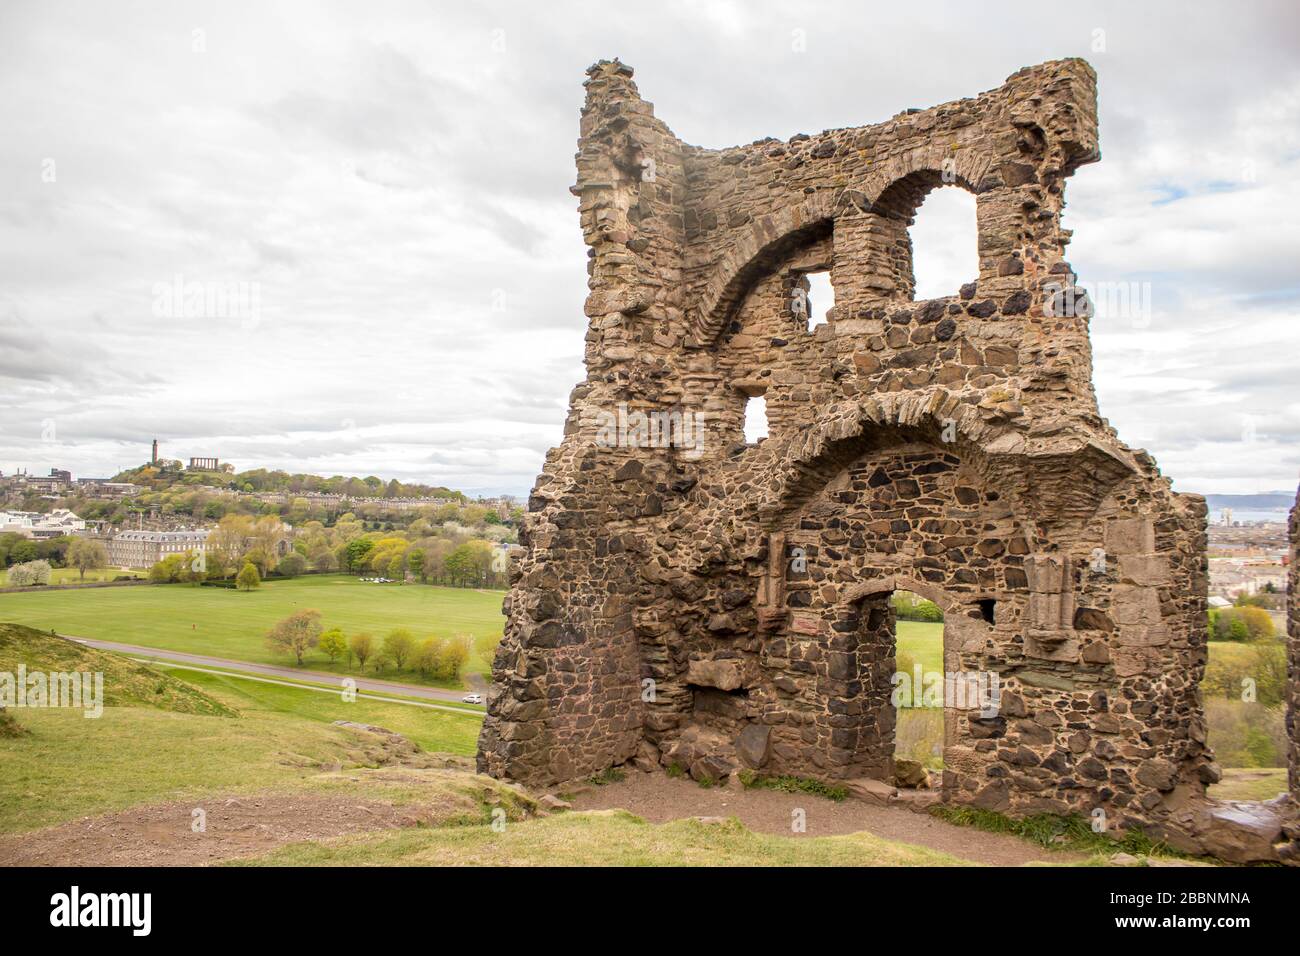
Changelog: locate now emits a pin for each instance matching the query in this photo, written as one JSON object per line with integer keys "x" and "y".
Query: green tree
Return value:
{"x": 248, "y": 579}
{"x": 333, "y": 644}
{"x": 357, "y": 551}
{"x": 428, "y": 656}
{"x": 399, "y": 645}
{"x": 415, "y": 563}
{"x": 1259, "y": 625}
{"x": 169, "y": 570}
{"x": 23, "y": 552}
{"x": 87, "y": 554}
{"x": 296, "y": 634}
{"x": 292, "y": 565}
{"x": 453, "y": 658}
{"x": 459, "y": 565}
{"x": 362, "y": 647}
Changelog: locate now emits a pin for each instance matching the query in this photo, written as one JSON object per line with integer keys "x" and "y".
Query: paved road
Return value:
{"x": 296, "y": 673}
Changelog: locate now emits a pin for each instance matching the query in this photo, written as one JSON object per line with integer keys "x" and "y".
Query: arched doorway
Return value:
{"x": 865, "y": 691}
{"x": 900, "y": 510}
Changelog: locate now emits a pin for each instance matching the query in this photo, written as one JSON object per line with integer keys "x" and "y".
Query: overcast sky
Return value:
{"x": 393, "y": 178}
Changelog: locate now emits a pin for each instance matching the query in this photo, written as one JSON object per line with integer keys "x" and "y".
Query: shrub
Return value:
{"x": 399, "y": 645}
{"x": 362, "y": 647}
{"x": 29, "y": 573}
{"x": 1263, "y": 666}
{"x": 1246, "y": 735}
{"x": 1246, "y": 623}
{"x": 291, "y": 565}
{"x": 248, "y": 578}
{"x": 333, "y": 644}
{"x": 296, "y": 634}
{"x": 913, "y": 607}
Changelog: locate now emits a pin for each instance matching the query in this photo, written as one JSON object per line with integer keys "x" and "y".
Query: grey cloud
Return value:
{"x": 397, "y": 181}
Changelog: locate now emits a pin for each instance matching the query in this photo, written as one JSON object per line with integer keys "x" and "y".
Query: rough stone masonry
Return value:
{"x": 690, "y": 600}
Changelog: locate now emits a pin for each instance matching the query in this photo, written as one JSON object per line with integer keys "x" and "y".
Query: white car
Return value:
{"x": 472, "y": 699}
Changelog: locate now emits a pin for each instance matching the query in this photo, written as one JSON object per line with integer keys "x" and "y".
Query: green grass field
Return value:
{"x": 924, "y": 642}
{"x": 437, "y": 731}
{"x": 233, "y": 624}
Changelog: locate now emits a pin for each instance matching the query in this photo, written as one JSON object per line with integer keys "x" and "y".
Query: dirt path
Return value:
{"x": 163, "y": 834}
{"x": 659, "y": 798}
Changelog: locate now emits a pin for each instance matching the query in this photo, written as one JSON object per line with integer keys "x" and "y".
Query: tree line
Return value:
{"x": 437, "y": 658}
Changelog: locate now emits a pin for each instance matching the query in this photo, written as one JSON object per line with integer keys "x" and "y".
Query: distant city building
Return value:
{"x": 33, "y": 524}
{"x": 103, "y": 488}
{"x": 205, "y": 464}
{"x": 52, "y": 485}
{"x": 144, "y": 549}
{"x": 1225, "y": 517}
{"x": 60, "y": 474}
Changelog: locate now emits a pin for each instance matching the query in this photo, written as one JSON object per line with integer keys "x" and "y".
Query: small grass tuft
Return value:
{"x": 9, "y": 727}
{"x": 676, "y": 770}
{"x": 608, "y": 775}
{"x": 1072, "y": 833}
{"x": 789, "y": 784}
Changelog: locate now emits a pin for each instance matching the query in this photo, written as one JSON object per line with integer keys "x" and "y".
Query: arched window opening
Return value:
{"x": 945, "y": 243}
{"x": 755, "y": 426}
{"x": 821, "y": 299}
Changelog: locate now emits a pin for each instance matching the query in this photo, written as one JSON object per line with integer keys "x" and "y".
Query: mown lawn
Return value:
{"x": 437, "y": 731}
{"x": 233, "y": 624}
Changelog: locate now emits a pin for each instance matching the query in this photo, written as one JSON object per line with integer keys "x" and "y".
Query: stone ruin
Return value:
{"x": 689, "y": 600}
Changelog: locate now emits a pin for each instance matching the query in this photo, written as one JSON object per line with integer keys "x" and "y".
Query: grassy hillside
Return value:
{"x": 66, "y": 766}
{"x": 126, "y": 683}
{"x": 433, "y": 730}
{"x": 603, "y": 838}
{"x": 233, "y": 624}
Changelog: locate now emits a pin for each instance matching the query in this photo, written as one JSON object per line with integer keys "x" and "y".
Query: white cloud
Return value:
{"x": 394, "y": 177}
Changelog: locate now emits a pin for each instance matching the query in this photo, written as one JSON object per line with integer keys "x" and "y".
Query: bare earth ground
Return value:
{"x": 241, "y": 826}
{"x": 659, "y": 798}
{"x": 161, "y": 834}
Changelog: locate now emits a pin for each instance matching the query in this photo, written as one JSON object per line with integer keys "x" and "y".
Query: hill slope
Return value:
{"x": 126, "y": 683}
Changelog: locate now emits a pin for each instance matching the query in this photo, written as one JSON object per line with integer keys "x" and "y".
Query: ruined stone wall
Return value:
{"x": 688, "y": 599}
{"x": 1293, "y": 681}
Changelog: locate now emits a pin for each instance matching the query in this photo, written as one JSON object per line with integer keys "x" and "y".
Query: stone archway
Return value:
{"x": 969, "y": 700}
{"x": 901, "y": 511}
